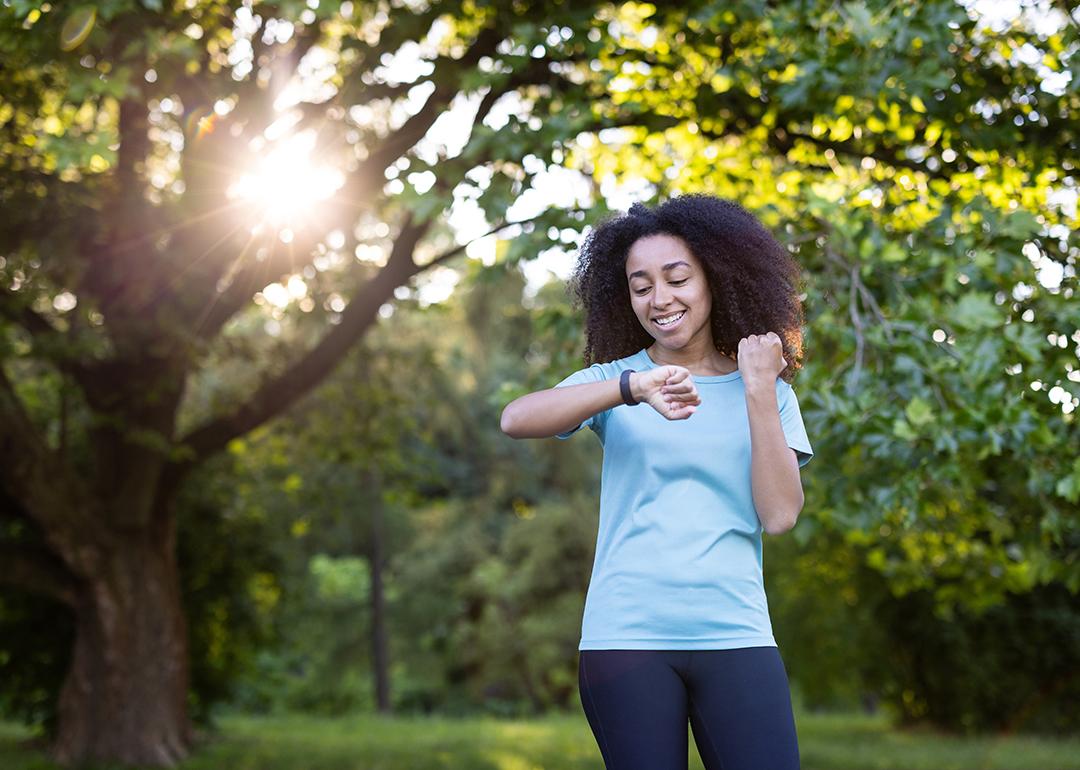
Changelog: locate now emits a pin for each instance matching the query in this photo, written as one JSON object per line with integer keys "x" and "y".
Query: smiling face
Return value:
{"x": 669, "y": 285}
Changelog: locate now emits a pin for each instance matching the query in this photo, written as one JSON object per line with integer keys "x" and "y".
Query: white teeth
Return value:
{"x": 667, "y": 320}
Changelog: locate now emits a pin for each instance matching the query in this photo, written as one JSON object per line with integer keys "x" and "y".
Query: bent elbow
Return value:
{"x": 781, "y": 524}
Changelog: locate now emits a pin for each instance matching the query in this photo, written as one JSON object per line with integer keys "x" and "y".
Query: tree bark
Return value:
{"x": 378, "y": 613}
{"x": 125, "y": 695}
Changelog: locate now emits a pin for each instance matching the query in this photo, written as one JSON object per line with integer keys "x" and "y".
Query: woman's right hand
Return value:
{"x": 670, "y": 390}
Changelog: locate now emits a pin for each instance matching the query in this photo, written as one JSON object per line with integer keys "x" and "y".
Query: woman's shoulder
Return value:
{"x": 636, "y": 361}
{"x": 607, "y": 369}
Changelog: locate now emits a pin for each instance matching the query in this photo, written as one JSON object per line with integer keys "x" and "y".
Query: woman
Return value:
{"x": 692, "y": 314}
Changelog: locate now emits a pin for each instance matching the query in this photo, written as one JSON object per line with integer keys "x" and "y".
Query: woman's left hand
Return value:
{"x": 761, "y": 358}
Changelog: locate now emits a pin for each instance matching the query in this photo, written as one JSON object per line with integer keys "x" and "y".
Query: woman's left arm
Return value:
{"x": 774, "y": 466}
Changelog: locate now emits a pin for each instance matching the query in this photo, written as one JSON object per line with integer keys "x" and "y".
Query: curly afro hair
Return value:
{"x": 753, "y": 279}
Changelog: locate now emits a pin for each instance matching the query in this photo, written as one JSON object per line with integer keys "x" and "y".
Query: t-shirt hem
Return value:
{"x": 677, "y": 644}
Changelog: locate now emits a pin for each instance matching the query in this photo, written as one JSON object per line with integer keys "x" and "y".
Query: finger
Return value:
{"x": 686, "y": 412}
{"x": 678, "y": 387}
{"x": 674, "y": 411}
{"x": 678, "y": 407}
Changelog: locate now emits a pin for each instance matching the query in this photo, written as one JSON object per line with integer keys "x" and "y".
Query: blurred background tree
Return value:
{"x": 209, "y": 208}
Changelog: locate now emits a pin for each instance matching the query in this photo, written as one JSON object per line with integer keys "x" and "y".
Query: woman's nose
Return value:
{"x": 661, "y": 297}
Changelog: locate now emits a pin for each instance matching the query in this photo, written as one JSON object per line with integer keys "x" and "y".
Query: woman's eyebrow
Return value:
{"x": 665, "y": 268}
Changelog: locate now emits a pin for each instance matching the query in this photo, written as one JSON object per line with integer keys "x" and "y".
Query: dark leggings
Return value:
{"x": 737, "y": 701}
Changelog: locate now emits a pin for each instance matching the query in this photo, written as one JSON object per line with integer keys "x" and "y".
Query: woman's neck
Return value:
{"x": 701, "y": 359}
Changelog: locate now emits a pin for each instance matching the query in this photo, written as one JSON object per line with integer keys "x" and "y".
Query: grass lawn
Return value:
{"x": 367, "y": 742}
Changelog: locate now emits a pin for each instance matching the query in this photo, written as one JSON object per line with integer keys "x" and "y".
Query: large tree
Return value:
{"x": 154, "y": 180}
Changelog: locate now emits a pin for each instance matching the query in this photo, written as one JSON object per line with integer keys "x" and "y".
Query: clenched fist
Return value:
{"x": 761, "y": 358}
{"x": 670, "y": 390}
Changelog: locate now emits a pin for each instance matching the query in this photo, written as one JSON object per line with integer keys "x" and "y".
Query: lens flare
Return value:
{"x": 199, "y": 122}
{"x": 77, "y": 28}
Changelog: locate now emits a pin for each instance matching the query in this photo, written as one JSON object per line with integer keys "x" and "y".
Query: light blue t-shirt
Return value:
{"x": 678, "y": 550}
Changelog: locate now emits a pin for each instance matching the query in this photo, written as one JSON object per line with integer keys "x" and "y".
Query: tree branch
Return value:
{"x": 253, "y": 275}
{"x": 449, "y": 254}
{"x": 39, "y": 481}
{"x": 368, "y": 173}
{"x": 276, "y": 395}
{"x": 247, "y": 279}
{"x": 134, "y": 145}
{"x": 39, "y": 572}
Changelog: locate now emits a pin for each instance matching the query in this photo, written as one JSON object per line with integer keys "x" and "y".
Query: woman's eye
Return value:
{"x": 639, "y": 292}
{"x": 680, "y": 282}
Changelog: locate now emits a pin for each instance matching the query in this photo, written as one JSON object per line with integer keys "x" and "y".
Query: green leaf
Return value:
{"x": 861, "y": 22}
{"x": 893, "y": 252}
{"x": 1026, "y": 340}
{"x": 976, "y": 310}
{"x": 902, "y": 429}
{"x": 919, "y": 412}
{"x": 1020, "y": 224}
{"x": 1069, "y": 487}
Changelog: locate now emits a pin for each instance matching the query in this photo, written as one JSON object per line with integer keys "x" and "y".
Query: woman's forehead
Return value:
{"x": 656, "y": 253}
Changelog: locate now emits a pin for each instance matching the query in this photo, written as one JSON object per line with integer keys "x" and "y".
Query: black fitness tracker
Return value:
{"x": 624, "y": 388}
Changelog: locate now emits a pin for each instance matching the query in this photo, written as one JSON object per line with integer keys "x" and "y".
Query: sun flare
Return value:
{"x": 286, "y": 186}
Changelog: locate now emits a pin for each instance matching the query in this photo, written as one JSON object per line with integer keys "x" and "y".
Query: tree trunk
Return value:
{"x": 378, "y": 613}
{"x": 125, "y": 696}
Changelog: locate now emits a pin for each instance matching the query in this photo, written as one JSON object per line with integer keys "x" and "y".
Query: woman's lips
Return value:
{"x": 671, "y": 325}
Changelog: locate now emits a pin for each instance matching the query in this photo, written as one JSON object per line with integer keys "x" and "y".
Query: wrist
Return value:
{"x": 759, "y": 388}
{"x": 635, "y": 387}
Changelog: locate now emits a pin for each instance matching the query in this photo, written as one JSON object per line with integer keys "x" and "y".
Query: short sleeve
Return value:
{"x": 594, "y": 373}
{"x": 792, "y": 422}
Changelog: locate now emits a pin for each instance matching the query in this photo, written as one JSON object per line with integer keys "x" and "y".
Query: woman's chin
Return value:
{"x": 670, "y": 343}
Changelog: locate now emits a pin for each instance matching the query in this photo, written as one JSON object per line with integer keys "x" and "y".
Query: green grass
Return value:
{"x": 368, "y": 742}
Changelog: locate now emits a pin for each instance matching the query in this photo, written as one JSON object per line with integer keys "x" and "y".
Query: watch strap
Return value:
{"x": 624, "y": 388}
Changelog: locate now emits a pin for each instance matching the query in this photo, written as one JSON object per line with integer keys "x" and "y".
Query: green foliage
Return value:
{"x": 1010, "y": 668}
{"x": 848, "y": 640}
{"x": 912, "y": 167}
{"x": 228, "y": 574}
{"x": 466, "y": 509}
{"x": 504, "y": 627}
{"x": 35, "y": 643}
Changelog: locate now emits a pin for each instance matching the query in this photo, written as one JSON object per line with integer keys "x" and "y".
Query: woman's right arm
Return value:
{"x": 557, "y": 410}
{"x": 670, "y": 390}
